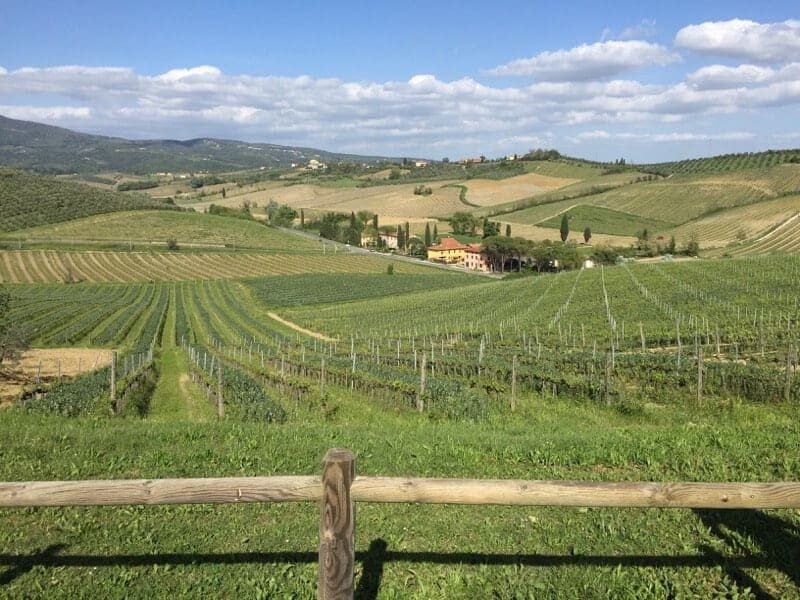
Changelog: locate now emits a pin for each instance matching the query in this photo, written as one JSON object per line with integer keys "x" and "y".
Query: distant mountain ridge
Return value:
{"x": 50, "y": 149}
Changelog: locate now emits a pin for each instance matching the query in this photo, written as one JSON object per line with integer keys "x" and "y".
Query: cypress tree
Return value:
{"x": 427, "y": 234}
{"x": 564, "y": 227}
{"x": 508, "y": 229}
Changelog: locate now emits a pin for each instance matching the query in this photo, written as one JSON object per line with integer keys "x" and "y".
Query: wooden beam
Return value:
{"x": 232, "y": 490}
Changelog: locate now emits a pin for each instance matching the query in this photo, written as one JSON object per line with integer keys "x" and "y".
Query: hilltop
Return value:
{"x": 40, "y": 147}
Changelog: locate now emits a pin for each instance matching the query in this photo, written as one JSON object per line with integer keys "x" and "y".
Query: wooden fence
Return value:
{"x": 338, "y": 489}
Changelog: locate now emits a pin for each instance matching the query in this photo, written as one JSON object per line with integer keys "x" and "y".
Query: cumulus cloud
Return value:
{"x": 722, "y": 77}
{"x": 738, "y": 38}
{"x": 588, "y": 61}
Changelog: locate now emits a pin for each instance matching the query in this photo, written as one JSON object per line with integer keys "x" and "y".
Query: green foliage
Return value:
{"x": 464, "y": 223}
{"x": 564, "y": 228}
{"x": 227, "y": 211}
{"x": 423, "y": 190}
{"x": 84, "y": 395}
{"x": 248, "y": 400}
{"x": 541, "y": 154}
{"x": 142, "y": 184}
{"x": 450, "y": 400}
{"x": 490, "y": 228}
{"x": 13, "y": 336}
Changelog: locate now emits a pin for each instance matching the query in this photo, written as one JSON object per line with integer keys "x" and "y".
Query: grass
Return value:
{"x": 176, "y": 398}
{"x": 604, "y": 220}
{"x": 408, "y": 550}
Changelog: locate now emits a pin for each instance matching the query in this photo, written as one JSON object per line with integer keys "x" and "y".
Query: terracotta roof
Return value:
{"x": 449, "y": 243}
{"x": 476, "y": 248}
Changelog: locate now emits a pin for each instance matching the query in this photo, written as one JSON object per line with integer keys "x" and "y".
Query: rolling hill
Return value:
{"x": 40, "y": 147}
{"x": 28, "y": 200}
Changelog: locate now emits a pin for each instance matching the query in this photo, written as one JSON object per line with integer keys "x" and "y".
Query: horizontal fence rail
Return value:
{"x": 234, "y": 490}
{"x": 338, "y": 489}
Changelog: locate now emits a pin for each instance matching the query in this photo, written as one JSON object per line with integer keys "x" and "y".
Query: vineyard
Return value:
{"x": 604, "y": 334}
{"x": 51, "y": 266}
{"x": 28, "y": 200}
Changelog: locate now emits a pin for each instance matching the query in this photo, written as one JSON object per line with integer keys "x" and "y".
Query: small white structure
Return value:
{"x": 588, "y": 263}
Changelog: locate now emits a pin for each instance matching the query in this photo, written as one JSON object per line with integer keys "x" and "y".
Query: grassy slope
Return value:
{"x": 185, "y": 227}
{"x": 408, "y": 550}
{"x": 604, "y": 220}
{"x": 28, "y": 200}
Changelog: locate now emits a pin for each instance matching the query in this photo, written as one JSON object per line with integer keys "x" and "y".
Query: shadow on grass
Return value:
{"x": 778, "y": 540}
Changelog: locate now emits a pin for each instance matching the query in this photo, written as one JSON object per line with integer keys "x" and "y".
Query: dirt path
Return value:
{"x": 48, "y": 364}
{"x": 297, "y": 327}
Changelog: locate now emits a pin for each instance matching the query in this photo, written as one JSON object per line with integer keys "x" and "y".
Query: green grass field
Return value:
{"x": 408, "y": 550}
{"x": 604, "y": 220}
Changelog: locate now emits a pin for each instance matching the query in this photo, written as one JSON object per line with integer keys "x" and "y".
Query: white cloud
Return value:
{"x": 646, "y": 28}
{"x": 676, "y": 136}
{"x": 588, "y": 61}
{"x": 46, "y": 113}
{"x": 716, "y": 77}
{"x": 738, "y": 38}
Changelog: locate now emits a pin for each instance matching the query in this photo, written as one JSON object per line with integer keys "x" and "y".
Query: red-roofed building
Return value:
{"x": 448, "y": 251}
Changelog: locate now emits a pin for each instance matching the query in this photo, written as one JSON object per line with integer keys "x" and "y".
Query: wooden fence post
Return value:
{"x": 422, "y": 382}
{"x": 337, "y": 527}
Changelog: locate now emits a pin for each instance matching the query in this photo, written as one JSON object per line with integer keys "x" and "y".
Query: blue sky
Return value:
{"x": 595, "y": 79}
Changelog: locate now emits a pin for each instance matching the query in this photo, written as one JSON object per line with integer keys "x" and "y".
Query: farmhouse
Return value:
{"x": 449, "y": 251}
{"x": 476, "y": 258}
{"x": 388, "y": 240}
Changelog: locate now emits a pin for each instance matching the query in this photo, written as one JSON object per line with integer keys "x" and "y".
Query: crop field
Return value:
{"x": 739, "y": 224}
{"x": 51, "y": 266}
{"x": 600, "y": 367}
{"x": 782, "y": 239}
{"x": 397, "y": 201}
{"x": 489, "y": 192}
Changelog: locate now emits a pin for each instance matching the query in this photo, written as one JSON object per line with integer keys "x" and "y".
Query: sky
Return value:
{"x": 643, "y": 81}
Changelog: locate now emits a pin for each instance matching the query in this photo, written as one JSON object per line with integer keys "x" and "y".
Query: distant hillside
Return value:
{"x": 725, "y": 163}
{"x": 28, "y": 200}
{"x": 45, "y": 148}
